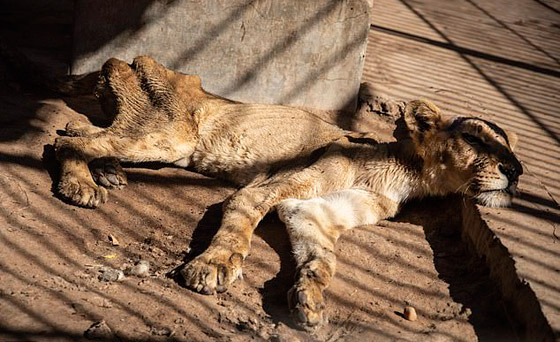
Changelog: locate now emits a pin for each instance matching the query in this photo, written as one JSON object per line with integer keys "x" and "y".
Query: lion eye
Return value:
{"x": 472, "y": 140}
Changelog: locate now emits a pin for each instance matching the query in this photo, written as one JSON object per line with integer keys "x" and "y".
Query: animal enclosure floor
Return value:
{"x": 499, "y": 60}
{"x": 52, "y": 253}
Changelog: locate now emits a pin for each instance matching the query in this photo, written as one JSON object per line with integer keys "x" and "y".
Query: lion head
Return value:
{"x": 465, "y": 155}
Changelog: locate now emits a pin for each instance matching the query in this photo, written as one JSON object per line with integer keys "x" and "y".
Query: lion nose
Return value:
{"x": 511, "y": 172}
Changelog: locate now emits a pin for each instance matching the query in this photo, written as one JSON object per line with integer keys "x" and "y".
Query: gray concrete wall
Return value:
{"x": 307, "y": 53}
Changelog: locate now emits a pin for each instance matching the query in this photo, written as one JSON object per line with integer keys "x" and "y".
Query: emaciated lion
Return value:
{"x": 321, "y": 179}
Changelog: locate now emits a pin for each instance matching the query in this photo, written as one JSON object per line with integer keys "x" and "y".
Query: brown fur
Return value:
{"x": 276, "y": 153}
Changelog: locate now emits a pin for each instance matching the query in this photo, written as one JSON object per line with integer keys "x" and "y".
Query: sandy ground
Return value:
{"x": 52, "y": 254}
{"x": 499, "y": 60}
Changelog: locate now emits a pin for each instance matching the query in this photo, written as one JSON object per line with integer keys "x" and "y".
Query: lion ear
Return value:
{"x": 512, "y": 138}
{"x": 421, "y": 116}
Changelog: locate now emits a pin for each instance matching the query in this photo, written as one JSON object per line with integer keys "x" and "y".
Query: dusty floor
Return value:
{"x": 51, "y": 253}
{"x": 500, "y": 60}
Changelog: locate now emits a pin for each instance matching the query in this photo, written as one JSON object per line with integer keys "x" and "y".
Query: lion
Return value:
{"x": 321, "y": 179}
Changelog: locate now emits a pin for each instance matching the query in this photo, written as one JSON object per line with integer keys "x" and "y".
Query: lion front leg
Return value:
{"x": 220, "y": 264}
{"x": 314, "y": 226}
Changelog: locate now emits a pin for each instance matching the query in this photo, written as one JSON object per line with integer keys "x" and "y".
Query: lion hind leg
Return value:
{"x": 121, "y": 96}
{"x": 75, "y": 153}
{"x": 106, "y": 172}
{"x": 141, "y": 131}
{"x": 155, "y": 80}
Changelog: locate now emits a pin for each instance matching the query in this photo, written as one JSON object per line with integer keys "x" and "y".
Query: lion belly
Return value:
{"x": 242, "y": 141}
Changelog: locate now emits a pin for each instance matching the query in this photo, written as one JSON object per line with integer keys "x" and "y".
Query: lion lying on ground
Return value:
{"x": 321, "y": 179}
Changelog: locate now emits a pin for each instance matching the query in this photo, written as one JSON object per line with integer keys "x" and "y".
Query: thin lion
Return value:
{"x": 321, "y": 179}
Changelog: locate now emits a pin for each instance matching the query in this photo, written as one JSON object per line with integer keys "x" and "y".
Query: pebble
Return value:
{"x": 108, "y": 274}
{"x": 99, "y": 331}
{"x": 114, "y": 241}
{"x": 99, "y": 301}
{"x": 163, "y": 331}
{"x": 410, "y": 313}
{"x": 140, "y": 269}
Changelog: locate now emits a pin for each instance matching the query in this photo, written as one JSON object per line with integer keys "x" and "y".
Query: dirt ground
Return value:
{"x": 54, "y": 254}
{"x": 55, "y": 258}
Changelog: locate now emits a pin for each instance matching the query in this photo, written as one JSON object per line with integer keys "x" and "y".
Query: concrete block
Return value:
{"x": 305, "y": 53}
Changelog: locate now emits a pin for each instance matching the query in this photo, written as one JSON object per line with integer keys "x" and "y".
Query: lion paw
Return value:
{"x": 108, "y": 172}
{"x": 212, "y": 272}
{"x": 82, "y": 191}
{"x": 307, "y": 304}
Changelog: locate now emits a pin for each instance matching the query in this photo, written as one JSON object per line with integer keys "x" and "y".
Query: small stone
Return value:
{"x": 410, "y": 313}
{"x": 140, "y": 269}
{"x": 163, "y": 331}
{"x": 108, "y": 274}
{"x": 99, "y": 331}
{"x": 113, "y": 240}
{"x": 99, "y": 301}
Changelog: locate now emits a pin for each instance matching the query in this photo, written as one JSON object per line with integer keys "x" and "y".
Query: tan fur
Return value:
{"x": 322, "y": 179}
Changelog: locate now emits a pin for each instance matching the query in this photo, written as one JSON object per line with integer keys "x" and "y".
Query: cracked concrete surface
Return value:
{"x": 242, "y": 49}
